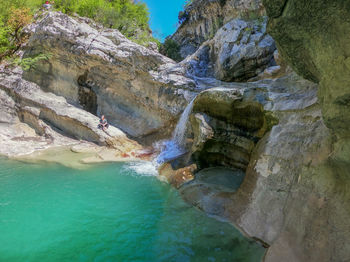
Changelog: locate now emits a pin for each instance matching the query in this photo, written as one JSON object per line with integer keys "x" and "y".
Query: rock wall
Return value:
{"x": 34, "y": 120}
{"x": 314, "y": 37}
{"x": 225, "y": 128}
{"x": 202, "y": 19}
{"x": 137, "y": 89}
{"x": 239, "y": 51}
{"x": 293, "y": 198}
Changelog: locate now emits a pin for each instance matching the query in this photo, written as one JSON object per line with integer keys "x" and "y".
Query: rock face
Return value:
{"x": 137, "y": 89}
{"x": 226, "y": 128}
{"x": 290, "y": 136}
{"x": 38, "y": 117}
{"x": 293, "y": 197}
{"x": 202, "y": 18}
{"x": 239, "y": 51}
{"x": 314, "y": 37}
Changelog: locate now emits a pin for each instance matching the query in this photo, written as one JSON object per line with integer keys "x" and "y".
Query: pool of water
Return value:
{"x": 112, "y": 212}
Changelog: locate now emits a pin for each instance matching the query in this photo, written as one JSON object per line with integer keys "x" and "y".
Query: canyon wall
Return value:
{"x": 137, "y": 89}
{"x": 202, "y": 19}
{"x": 286, "y": 135}
{"x": 289, "y": 135}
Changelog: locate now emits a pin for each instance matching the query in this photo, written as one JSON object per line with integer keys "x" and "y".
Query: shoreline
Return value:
{"x": 85, "y": 155}
{"x": 77, "y": 156}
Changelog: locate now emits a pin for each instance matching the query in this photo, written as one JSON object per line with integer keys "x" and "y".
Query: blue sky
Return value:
{"x": 163, "y": 16}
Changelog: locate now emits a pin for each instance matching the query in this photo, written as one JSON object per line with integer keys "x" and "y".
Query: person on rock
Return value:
{"x": 103, "y": 123}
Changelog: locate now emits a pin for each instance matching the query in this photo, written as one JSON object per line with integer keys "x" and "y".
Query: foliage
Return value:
{"x": 11, "y": 37}
{"x": 187, "y": 3}
{"x": 5, "y": 43}
{"x": 29, "y": 62}
{"x": 171, "y": 48}
{"x": 131, "y": 19}
{"x": 182, "y": 17}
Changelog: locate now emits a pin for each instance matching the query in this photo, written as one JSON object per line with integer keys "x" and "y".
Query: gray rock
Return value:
{"x": 42, "y": 111}
{"x": 294, "y": 196}
{"x": 203, "y": 18}
{"x": 103, "y": 72}
{"x": 239, "y": 51}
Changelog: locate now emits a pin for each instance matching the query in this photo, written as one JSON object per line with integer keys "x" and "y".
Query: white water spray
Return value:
{"x": 179, "y": 132}
{"x": 175, "y": 147}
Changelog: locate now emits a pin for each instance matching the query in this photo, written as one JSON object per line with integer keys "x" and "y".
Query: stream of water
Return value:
{"x": 174, "y": 147}
{"x": 110, "y": 212}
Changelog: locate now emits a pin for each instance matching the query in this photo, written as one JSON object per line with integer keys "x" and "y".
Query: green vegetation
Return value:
{"x": 11, "y": 25}
{"x": 171, "y": 48}
{"x": 132, "y": 20}
{"x": 28, "y": 62}
{"x": 129, "y": 18}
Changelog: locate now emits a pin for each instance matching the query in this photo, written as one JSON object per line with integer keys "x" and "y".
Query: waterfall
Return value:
{"x": 179, "y": 132}
{"x": 175, "y": 147}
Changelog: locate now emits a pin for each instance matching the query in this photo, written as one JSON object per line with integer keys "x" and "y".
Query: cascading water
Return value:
{"x": 175, "y": 147}
{"x": 179, "y": 132}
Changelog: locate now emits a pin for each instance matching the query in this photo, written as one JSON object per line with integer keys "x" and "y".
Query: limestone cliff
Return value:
{"x": 202, "y": 18}
{"x": 237, "y": 48}
{"x": 103, "y": 72}
{"x": 287, "y": 134}
{"x": 239, "y": 51}
{"x": 91, "y": 71}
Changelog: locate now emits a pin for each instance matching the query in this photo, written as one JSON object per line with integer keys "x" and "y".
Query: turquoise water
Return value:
{"x": 106, "y": 213}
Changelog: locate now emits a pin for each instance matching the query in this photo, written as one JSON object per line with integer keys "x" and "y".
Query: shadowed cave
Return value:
{"x": 86, "y": 94}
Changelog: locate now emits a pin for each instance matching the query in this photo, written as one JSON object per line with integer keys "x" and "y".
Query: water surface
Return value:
{"x": 112, "y": 212}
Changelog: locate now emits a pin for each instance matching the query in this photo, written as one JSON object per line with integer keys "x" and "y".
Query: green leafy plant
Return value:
{"x": 131, "y": 19}
{"x": 171, "y": 48}
{"x": 29, "y": 62}
{"x": 11, "y": 36}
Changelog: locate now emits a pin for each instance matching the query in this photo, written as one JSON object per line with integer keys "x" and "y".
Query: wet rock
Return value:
{"x": 177, "y": 177}
{"x": 225, "y": 127}
{"x": 295, "y": 174}
{"x": 209, "y": 184}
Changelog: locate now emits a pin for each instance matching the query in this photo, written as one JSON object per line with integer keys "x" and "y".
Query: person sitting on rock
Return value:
{"x": 103, "y": 123}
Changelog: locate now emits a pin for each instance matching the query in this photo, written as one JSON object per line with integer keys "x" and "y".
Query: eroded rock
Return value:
{"x": 44, "y": 116}
{"x": 100, "y": 70}
{"x": 314, "y": 38}
{"x": 202, "y": 18}
{"x": 240, "y": 50}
